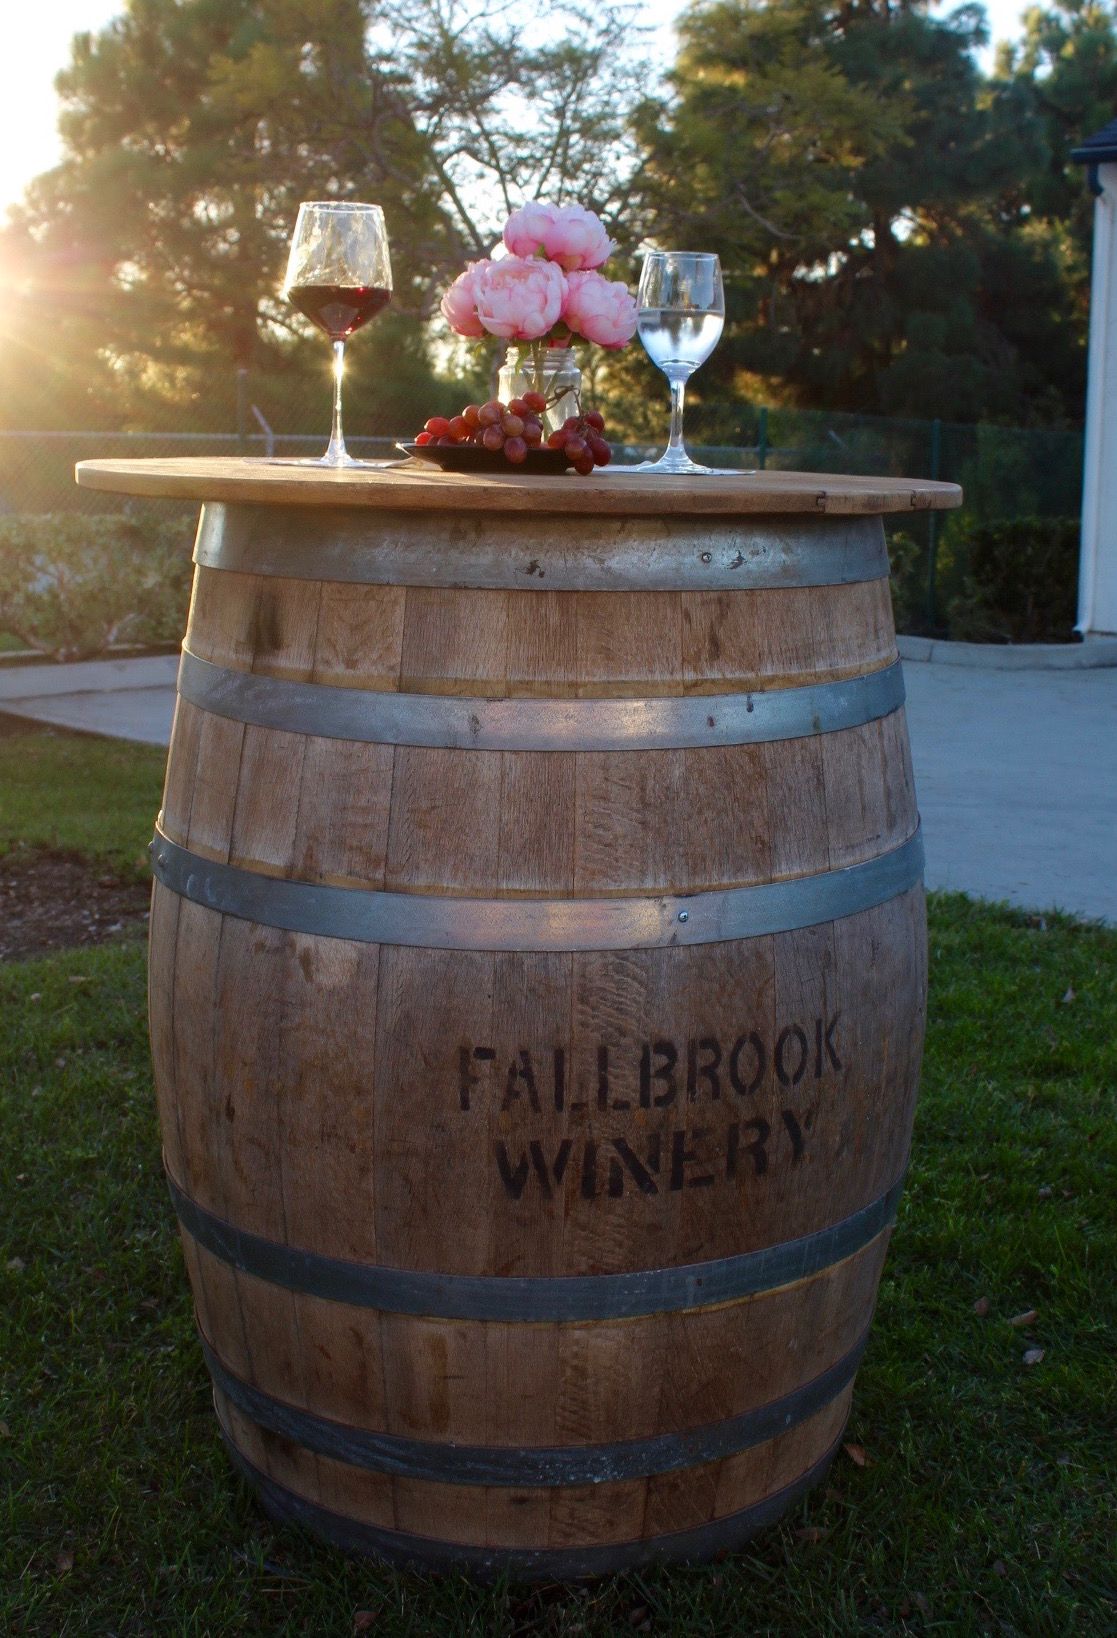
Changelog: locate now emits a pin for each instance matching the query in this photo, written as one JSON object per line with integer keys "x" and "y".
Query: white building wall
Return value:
{"x": 1097, "y": 586}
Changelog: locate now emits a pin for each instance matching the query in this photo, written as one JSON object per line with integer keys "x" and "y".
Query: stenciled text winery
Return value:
{"x": 710, "y": 1090}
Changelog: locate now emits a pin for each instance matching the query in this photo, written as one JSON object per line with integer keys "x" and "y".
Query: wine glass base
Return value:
{"x": 348, "y": 465}
{"x": 685, "y": 467}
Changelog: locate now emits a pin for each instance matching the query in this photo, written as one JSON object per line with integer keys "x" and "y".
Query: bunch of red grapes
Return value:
{"x": 517, "y": 426}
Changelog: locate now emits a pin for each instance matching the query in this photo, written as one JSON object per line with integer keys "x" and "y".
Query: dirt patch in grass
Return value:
{"x": 52, "y": 900}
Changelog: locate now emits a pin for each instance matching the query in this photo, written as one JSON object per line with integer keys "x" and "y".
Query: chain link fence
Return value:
{"x": 1007, "y": 473}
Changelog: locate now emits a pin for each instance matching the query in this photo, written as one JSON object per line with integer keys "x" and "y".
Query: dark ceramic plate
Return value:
{"x": 469, "y": 458}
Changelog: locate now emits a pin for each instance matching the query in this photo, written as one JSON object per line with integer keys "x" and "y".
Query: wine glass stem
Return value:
{"x": 336, "y": 451}
{"x": 678, "y": 393}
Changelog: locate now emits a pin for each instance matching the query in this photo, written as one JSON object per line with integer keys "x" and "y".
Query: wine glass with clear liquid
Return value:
{"x": 680, "y": 314}
{"x": 339, "y": 276}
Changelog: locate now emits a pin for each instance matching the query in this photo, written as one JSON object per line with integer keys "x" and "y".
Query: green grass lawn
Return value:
{"x": 988, "y": 1505}
{"x": 73, "y": 791}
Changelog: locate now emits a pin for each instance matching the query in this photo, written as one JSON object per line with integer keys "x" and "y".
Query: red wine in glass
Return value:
{"x": 339, "y": 275}
{"x": 336, "y": 308}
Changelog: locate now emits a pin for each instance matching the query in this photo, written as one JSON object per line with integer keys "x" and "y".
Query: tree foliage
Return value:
{"x": 192, "y": 130}
{"x": 517, "y": 101}
{"x": 901, "y": 233}
{"x": 891, "y": 243}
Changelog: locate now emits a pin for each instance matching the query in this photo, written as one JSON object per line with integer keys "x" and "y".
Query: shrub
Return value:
{"x": 907, "y": 558}
{"x": 72, "y": 585}
{"x": 1021, "y": 582}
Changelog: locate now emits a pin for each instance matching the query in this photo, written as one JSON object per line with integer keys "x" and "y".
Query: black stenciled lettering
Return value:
{"x": 732, "y": 1146}
{"x": 785, "y": 1076}
{"x": 603, "y": 1076}
{"x": 742, "y": 1088}
{"x": 794, "y": 1132}
{"x": 589, "y": 1170}
{"x": 682, "y": 1157}
{"x": 550, "y": 1174}
{"x": 641, "y": 1174}
{"x": 467, "y": 1075}
{"x": 824, "y": 1045}
{"x": 521, "y": 1072}
{"x": 560, "y": 1078}
{"x": 556, "y": 1168}
{"x": 664, "y": 1072}
{"x": 513, "y": 1180}
{"x": 708, "y": 1071}
{"x": 758, "y": 1147}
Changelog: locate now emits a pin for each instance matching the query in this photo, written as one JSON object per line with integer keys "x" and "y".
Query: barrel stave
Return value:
{"x": 546, "y": 1386}
{"x": 455, "y": 1154}
{"x": 524, "y": 644}
{"x": 550, "y": 824}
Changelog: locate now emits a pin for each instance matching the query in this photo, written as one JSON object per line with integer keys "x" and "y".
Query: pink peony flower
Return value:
{"x": 526, "y": 229}
{"x": 576, "y": 238}
{"x": 519, "y": 298}
{"x": 459, "y": 304}
{"x": 601, "y": 310}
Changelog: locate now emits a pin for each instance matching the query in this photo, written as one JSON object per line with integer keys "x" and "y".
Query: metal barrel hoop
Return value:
{"x": 535, "y": 1298}
{"x": 490, "y": 551}
{"x": 531, "y": 1564}
{"x": 448, "y": 721}
{"x": 549, "y": 1466}
{"x": 435, "y": 921}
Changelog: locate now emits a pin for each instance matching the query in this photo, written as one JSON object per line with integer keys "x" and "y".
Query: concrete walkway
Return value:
{"x": 125, "y": 699}
{"x": 1016, "y": 770}
{"x": 1017, "y": 779}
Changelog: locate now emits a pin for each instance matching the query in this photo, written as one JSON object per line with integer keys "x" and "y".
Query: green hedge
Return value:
{"x": 1019, "y": 583}
{"x": 73, "y": 586}
{"x": 1012, "y": 581}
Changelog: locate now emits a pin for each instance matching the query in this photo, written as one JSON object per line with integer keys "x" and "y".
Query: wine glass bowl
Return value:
{"x": 680, "y": 316}
{"x": 339, "y": 275}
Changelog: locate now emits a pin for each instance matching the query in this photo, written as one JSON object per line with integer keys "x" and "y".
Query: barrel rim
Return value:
{"x": 535, "y": 1299}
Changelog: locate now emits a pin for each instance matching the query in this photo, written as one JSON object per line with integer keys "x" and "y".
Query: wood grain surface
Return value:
{"x": 609, "y": 491}
{"x": 531, "y": 1113}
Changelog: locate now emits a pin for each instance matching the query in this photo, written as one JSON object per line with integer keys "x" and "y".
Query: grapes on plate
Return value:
{"x": 516, "y": 428}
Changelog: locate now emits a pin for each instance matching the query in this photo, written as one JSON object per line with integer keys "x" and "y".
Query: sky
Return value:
{"x": 37, "y": 44}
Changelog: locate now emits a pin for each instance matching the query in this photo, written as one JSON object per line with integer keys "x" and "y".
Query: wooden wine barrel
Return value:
{"x": 537, "y": 995}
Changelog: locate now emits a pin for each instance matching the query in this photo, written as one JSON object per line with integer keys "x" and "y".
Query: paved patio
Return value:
{"x": 1016, "y": 770}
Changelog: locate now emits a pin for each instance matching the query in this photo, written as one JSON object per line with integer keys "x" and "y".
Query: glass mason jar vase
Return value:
{"x": 561, "y": 375}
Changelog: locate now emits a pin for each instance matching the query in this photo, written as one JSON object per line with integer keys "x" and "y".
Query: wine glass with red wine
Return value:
{"x": 339, "y": 276}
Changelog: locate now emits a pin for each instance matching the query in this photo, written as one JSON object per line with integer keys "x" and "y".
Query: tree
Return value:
{"x": 192, "y": 131}
{"x": 193, "y": 128}
{"x": 1060, "y": 82}
{"x": 861, "y": 180}
{"x": 518, "y": 101}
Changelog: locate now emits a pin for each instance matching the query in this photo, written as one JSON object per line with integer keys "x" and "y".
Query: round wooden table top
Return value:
{"x": 416, "y": 486}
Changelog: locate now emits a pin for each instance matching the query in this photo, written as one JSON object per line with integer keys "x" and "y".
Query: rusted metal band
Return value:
{"x": 535, "y": 1298}
{"x": 454, "y": 722}
{"x": 523, "y": 1563}
{"x": 551, "y": 1465}
{"x": 436, "y": 921}
{"x": 500, "y": 551}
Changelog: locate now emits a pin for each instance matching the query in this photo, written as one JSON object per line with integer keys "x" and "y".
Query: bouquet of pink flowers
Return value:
{"x": 547, "y": 291}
